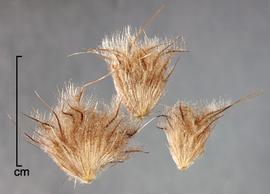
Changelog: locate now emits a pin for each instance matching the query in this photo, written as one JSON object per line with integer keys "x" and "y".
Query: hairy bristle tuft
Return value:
{"x": 187, "y": 128}
{"x": 83, "y": 138}
{"x": 140, "y": 68}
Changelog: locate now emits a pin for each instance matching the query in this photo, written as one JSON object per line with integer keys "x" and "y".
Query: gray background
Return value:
{"x": 230, "y": 54}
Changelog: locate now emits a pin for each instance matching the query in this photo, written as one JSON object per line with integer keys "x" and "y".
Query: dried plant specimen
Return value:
{"x": 83, "y": 138}
{"x": 140, "y": 67}
{"x": 188, "y": 126}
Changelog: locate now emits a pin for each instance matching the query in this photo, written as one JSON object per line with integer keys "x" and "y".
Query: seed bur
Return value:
{"x": 188, "y": 126}
{"x": 83, "y": 138}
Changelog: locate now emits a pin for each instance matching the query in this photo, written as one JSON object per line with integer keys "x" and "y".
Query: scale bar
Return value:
{"x": 17, "y": 110}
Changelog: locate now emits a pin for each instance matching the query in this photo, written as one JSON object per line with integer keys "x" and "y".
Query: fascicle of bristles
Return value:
{"x": 187, "y": 128}
{"x": 140, "y": 68}
{"x": 84, "y": 137}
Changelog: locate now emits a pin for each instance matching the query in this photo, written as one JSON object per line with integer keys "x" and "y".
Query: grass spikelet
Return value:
{"x": 188, "y": 126}
{"x": 140, "y": 67}
{"x": 83, "y": 138}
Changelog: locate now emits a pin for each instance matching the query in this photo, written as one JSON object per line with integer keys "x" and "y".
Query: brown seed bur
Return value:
{"x": 83, "y": 138}
{"x": 140, "y": 68}
{"x": 188, "y": 126}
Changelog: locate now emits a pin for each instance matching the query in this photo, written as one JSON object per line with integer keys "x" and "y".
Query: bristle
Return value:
{"x": 83, "y": 138}
{"x": 140, "y": 68}
{"x": 187, "y": 128}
